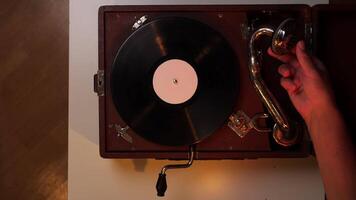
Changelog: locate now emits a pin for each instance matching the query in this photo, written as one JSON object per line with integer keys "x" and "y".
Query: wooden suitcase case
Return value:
{"x": 328, "y": 30}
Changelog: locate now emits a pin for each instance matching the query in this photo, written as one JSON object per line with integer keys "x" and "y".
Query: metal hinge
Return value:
{"x": 99, "y": 83}
{"x": 139, "y": 22}
{"x": 308, "y": 34}
{"x": 245, "y": 31}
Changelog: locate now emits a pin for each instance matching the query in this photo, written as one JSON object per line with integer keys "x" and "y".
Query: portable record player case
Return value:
{"x": 321, "y": 26}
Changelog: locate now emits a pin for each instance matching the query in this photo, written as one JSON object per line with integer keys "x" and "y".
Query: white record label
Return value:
{"x": 175, "y": 81}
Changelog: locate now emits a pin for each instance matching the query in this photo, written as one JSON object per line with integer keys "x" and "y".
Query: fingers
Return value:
{"x": 286, "y": 71}
{"x": 287, "y": 58}
{"x": 306, "y": 61}
{"x": 293, "y": 50}
{"x": 288, "y": 85}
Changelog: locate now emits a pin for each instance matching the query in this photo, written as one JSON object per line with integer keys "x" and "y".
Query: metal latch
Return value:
{"x": 122, "y": 132}
{"x": 99, "y": 83}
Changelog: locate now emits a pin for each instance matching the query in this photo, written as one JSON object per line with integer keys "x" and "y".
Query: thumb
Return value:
{"x": 303, "y": 57}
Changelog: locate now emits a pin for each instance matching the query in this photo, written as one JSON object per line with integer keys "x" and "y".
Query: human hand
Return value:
{"x": 305, "y": 79}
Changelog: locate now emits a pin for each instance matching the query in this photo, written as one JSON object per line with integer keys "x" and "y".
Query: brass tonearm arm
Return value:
{"x": 283, "y": 133}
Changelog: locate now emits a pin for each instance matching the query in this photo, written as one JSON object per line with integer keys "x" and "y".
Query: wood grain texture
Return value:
{"x": 33, "y": 99}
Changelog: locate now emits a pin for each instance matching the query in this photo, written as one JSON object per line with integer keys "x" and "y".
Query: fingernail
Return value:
{"x": 301, "y": 45}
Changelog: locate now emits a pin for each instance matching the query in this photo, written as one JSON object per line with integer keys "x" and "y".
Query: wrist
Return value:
{"x": 326, "y": 113}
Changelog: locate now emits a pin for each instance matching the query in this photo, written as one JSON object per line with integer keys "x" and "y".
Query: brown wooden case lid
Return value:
{"x": 334, "y": 40}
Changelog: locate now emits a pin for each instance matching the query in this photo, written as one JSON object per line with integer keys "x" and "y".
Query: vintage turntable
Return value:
{"x": 187, "y": 82}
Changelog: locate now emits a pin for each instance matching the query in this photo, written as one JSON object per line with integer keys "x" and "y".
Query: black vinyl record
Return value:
{"x": 140, "y": 55}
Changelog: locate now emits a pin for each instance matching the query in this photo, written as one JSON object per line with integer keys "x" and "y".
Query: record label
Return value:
{"x": 175, "y": 81}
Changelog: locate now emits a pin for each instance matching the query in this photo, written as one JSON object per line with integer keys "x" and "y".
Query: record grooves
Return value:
{"x": 204, "y": 52}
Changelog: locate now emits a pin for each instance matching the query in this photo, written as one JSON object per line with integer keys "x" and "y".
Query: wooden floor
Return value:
{"x": 33, "y": 99}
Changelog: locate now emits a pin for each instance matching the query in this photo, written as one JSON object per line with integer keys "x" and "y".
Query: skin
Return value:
{"x": 305, "y": 79}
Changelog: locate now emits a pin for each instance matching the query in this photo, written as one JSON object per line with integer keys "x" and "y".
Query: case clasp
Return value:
{"x": 99, "y": 83}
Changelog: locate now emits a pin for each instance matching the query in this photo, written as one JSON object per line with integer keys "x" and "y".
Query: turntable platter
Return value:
{"x": 173, "y": 81}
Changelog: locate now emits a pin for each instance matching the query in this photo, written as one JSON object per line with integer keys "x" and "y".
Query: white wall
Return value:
{"x": 91, "y": 177}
